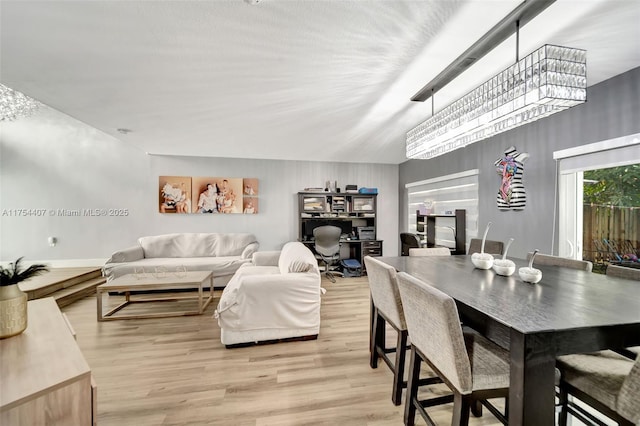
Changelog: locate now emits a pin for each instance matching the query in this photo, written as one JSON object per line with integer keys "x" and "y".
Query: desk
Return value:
{"x": 358, "y": 249}
{"x": 569, "y": 311}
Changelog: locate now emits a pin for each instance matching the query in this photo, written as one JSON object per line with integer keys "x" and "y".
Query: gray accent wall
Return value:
{"x": 52, "y": 164}
{"x": 612, "y": 110}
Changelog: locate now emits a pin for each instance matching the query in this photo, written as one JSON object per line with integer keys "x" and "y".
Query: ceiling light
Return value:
{"x": 549, "y": 80}
{"x": 15, "y": 104}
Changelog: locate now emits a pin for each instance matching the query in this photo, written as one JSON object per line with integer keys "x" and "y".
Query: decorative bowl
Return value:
{"x": 530, "y": 275}
{"x": 504, "y": 267}
{"x": 482, "y": 260}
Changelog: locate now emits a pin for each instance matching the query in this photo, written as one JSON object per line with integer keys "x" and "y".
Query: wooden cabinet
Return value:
{"x": 45, "y": 379}
{"x": 444, "y": 227}
{"x": 354, "y": 213}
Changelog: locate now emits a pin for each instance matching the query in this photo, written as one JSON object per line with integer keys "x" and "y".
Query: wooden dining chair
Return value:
{"x": 387, "y": 308}
{"x": 490, "y": 246}
{"x": 624, "y": 272}
{"x": 473, "y": 368}
{"x": 606, "y": 381}
{"x": 429, "y": 251}
{"x": 547, "y": 259}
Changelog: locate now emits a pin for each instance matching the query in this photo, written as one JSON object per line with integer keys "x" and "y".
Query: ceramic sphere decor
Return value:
{"x": 13, "y": 301}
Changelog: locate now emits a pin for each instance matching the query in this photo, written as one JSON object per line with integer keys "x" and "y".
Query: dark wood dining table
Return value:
{"x": 568, "y": 311}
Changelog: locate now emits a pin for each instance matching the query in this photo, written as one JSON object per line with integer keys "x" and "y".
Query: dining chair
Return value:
{"x": 327, "y": 247}
{"x": 473, "y": 368}
{"x": 606, "y": 381}
{"x": 429, "y": 251}
{"x": 387, "y": 308}
{"x": 629, "y": 274}
{"x": 624, "y": 272}
{"x": 547, "y": 259}
{"x": 407, "y": 242}
{"x": 490, "y": 246}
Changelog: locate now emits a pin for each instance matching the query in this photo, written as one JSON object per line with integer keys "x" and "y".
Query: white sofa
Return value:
{"x": 221, "y": 253}
{"x": 275, "y": 297}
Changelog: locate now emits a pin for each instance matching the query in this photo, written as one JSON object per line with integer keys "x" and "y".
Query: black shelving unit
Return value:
{"x": 426, "y": 226}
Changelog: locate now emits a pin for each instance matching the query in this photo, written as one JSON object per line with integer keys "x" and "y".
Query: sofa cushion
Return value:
{"x": 196, "y": 245}
{"x": 127, "y": 255}
{"x": 295, "y": 257}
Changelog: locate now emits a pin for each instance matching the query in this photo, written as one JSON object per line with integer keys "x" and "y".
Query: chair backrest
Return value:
{"x": 384, "y": 291}
{"x": 429, "y": 251}
{"x": 408, "y": 241}
{"x": 490, "y": 246}
{"x": 547, "y": 259}
{"x": 624, "y": 272}
{"x": 433, "y": 317}
{"x": 327, "y": 240}
{"x": 627, "y": 402}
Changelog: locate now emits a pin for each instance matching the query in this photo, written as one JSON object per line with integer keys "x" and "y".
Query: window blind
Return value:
{"x": 443, "y": 195}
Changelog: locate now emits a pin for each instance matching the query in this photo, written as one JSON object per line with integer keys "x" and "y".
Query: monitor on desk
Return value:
{"x": 310, "y": 225}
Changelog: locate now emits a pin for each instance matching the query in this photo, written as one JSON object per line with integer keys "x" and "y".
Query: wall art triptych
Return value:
{"x": 207, "y": 195}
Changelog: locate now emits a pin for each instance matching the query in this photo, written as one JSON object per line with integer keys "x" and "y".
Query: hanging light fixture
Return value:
{"x": 549, "y": 80}
{"x": 14, "y": 104}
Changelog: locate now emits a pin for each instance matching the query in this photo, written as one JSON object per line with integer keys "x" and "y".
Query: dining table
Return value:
{"x": 568, "y": 311}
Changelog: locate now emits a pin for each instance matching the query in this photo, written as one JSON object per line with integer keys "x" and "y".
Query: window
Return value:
{"x": 443, "y": 195}
{"x": 572, "y": 163}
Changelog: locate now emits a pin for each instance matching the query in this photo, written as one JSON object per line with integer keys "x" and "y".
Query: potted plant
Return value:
{"x": 13, "y": 301}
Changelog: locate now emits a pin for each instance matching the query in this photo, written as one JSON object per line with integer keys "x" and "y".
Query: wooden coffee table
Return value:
{"x": 170, "y": 281}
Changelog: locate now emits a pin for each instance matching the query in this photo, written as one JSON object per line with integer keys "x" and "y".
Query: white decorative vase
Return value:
{"x": 483, "y": 260}
{"x": 504, "y": 266}
{"x": 13, "y": 311}
{"x": 530, "y": 274}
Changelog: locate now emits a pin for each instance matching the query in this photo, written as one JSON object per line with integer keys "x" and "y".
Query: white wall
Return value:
{"x": 51, "y": 161}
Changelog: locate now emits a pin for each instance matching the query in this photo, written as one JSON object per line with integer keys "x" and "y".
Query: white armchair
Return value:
{"x": 274, "y": 298}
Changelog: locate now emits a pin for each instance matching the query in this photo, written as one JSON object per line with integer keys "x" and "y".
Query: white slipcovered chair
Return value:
{"x": 274, "y": 298}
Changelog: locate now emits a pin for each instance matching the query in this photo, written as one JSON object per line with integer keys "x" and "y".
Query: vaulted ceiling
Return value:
{"x": 322, "y": 80}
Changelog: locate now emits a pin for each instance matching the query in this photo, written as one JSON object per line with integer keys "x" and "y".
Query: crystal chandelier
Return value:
{"x": 15, "y": 104}
{"x": 549, "y": 80}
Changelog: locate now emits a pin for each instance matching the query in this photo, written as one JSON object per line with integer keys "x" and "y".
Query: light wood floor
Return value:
{"x": 175, "y": 371}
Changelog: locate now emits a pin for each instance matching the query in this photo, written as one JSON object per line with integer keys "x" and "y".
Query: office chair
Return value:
{"x": 408, "y": 241}
{"x": 327, "y": 246}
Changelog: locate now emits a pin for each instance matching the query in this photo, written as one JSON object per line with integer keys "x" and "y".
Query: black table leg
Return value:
{"x": 531, "y": 391}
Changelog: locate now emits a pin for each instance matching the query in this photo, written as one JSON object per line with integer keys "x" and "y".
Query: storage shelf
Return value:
{"x": 428, "y": 224}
